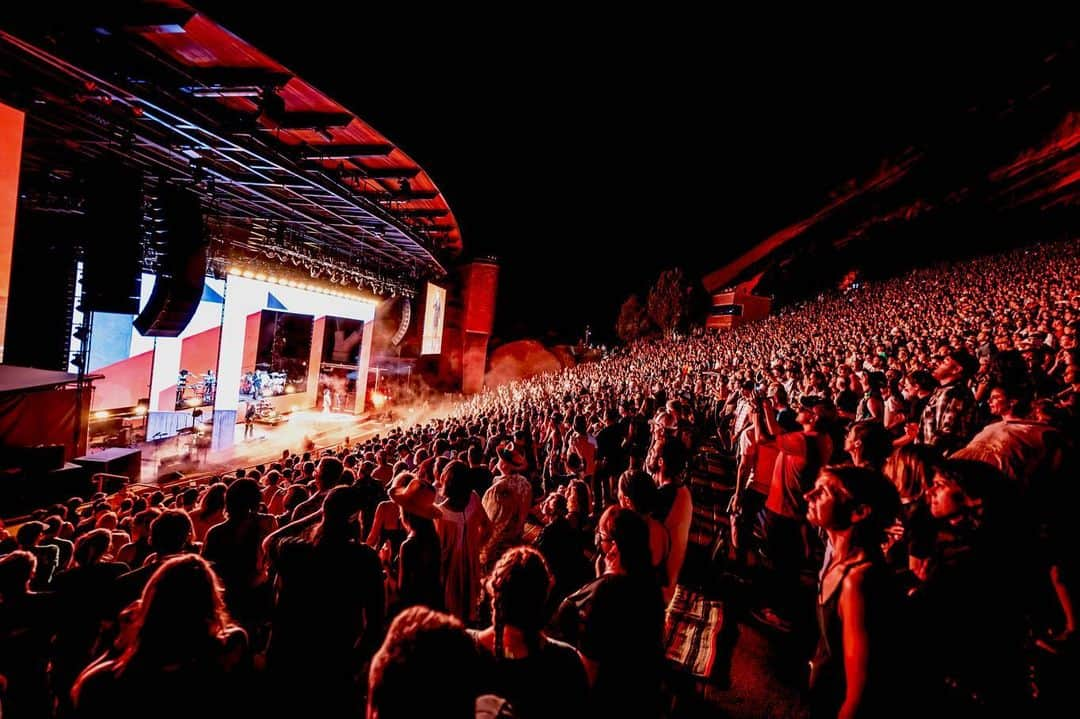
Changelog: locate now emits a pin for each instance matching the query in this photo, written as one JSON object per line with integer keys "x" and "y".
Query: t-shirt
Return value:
{"x": 799, "y": 456}
{"x": 323, "y": 592}
{"x": 617, "y": 621}
{"x": 550, "y": 682}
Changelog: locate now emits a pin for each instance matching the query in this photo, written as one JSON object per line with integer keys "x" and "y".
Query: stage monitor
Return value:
{"x": 434, "y": 313}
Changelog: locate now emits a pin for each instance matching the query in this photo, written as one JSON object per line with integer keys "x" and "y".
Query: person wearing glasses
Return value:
{"x": 617, "y": 620}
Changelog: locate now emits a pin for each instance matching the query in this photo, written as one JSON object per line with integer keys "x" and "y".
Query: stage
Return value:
{"x": 190, "y": 454}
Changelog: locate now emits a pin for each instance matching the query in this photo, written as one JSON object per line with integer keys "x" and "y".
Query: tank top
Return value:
{"x": 827, "y": 681}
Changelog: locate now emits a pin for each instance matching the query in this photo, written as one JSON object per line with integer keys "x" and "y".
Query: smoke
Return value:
{"x": 520, "y": 360}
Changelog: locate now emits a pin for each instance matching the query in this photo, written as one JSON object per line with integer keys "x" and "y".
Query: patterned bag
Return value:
{"x": 692, "y": 632}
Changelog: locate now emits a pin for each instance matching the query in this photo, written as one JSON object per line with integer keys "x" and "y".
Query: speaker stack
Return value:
{"x": 178, "y": 289}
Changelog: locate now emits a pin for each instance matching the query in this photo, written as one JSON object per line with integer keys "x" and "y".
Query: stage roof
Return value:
{"x": 28, "y": 379}
{"x": 161, "y": 85}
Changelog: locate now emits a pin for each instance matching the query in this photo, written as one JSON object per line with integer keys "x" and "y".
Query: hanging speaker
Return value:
{"x": 111, "y": 239}
{"x": 178, "y": 288}
{"x": 406, "y": 317}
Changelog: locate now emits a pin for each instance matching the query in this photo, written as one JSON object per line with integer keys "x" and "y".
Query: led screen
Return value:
{"x": 434, "y": 311}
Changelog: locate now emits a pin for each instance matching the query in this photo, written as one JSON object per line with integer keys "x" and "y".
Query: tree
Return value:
{"x": 669, "y": 300}
{"x": 633, "y": 322}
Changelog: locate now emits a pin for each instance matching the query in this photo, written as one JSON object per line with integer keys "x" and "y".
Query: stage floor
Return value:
{"x": 178, "y": 454}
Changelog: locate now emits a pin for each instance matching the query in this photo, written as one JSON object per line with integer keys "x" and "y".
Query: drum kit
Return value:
{"x": 194, "y": 390}
{"x": 262, "y": 383}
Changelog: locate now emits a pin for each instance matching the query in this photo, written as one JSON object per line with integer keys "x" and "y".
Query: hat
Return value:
{"x": 513, "y": 460}
{"x": 414, "y": 495}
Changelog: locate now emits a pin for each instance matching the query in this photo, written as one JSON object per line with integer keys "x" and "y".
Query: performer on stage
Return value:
{"x": 208, "y": 387}
{"x": 326, "y": 400}
{"x": 181, "y": 385}
{"x": 249, "y": 421}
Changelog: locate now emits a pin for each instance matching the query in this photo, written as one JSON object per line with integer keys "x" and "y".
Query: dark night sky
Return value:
{"x": 588, "y": 155}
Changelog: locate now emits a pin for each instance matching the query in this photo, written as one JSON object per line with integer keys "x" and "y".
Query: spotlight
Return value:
{"x": 261, "y": 277}
{"x": 249, "y": 274}
{"x": 101, "y": 414}
{"x": 140, "y": 410}
{"x": 234, "y": 270}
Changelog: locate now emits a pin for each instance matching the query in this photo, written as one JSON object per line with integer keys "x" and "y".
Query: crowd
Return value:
{"x": 911, "y": 441}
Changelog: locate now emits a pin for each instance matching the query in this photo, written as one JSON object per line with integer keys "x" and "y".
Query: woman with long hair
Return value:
{"x": 329, "y": 608}
{"x": 181, "y": 638}
{"x": 86, "y": 606}
{"x": 463, "y": 528}
{"x": 910, "y": 539}
{"x": 541, "y": 677}
{"x": 637, "y": 491}
{"x": 972, "y": 604}
{"x": 419, "y": 578}
{"x": 27, "y": 620}
{"x": 211, "y": 510}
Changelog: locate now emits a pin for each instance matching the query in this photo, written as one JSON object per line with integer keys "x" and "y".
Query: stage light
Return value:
{"x": 249, "y": 274}
{"x": 260, "y": 276}
{"x": 289, "y": 389}
{"x": 234, "y": 270}
{"x": 101, "y": 414}
{"x": 140, "y": 411}
{"x": 378, "y": 399}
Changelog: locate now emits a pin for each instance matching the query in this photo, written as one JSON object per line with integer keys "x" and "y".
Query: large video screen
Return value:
{"x": 434, "y": 312}
{"x": 271, "y": 343}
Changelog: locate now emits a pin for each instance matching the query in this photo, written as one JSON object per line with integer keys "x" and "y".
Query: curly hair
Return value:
{"x": 409, "y": 675}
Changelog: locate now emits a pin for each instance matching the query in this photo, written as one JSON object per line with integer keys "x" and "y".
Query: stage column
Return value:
{"x": 362, "y": 367}
{"x": 163, "y": 420}
{"x": 230, "y": 359}
{"x": 311, "y": 396}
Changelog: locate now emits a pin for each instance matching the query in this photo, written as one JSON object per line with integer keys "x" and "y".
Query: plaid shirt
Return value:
{"x": 948, "y": 421}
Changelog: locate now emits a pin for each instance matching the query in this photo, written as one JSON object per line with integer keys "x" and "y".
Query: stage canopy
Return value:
{"x": 289, "y": 173}
{"x": 28, "y": 379}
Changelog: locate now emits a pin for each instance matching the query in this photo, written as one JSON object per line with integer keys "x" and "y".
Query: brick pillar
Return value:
{"x": 480, "y": 280}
